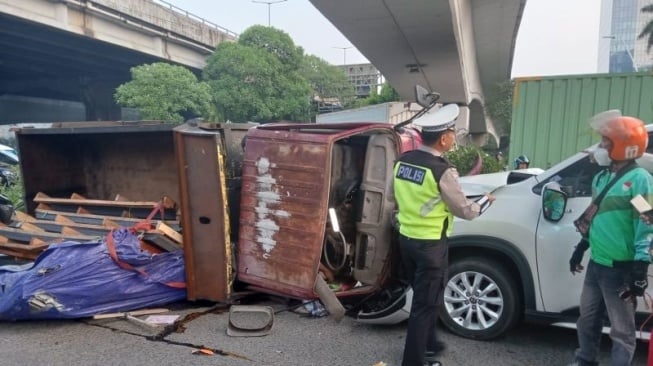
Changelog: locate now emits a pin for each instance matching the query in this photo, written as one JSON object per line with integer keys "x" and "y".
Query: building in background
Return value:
{"x": 364, "y": 77}
{"x": 619, "y": 49}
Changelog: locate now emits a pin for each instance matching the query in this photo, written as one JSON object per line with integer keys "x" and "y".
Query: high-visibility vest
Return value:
{"x": 422, "y": 212}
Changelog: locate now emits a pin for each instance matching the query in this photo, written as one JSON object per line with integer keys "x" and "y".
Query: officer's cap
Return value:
{"x": 439, "y": 120}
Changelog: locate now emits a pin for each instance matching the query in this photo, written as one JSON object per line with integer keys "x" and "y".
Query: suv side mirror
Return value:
{"x": 554, "y": 202}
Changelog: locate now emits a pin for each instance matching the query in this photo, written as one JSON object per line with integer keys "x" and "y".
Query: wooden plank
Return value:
{"x": 68, "y": 231}
{"x": 26, "y": 226}
{"x": 170, "y": 233}
{"x": 77, "y": 196}
{"x": 132, "y": 313}
{"x": 96, "y": 219}
{"x": 23, "y": 217}
{"x": 43, "y": 198}
{"x": 150, "y": 248}
{"x": 168, "y": 202}
{"x": 63, "y": 219}
{"x": 19, "y": 247}
{"x": 21, "y": 255}
{"x": 24, "y": 237}
{"x": 120, "y": 197}
{"x": 111, "y": 224}
{"x": 36, "y": 242}
{"x": 160, "y": 241}
{"x": 43, "y": 206}
{"x": 82, "y": 229}
{"x": 134, "y": 212}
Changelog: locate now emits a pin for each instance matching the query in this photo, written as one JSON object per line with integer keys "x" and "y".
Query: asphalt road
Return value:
{"x": 294, "y": 340}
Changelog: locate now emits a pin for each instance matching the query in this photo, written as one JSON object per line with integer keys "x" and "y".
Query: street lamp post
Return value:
{"x": 630, "y": 55}
{"x": 344, "y": 54}
{"x": 269, "y": 4}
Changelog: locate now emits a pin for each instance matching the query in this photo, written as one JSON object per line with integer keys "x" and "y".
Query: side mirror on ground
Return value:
{"x": 554, "y": 202}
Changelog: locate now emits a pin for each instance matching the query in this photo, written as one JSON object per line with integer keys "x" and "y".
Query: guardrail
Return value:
{"x": 190, "y": 15}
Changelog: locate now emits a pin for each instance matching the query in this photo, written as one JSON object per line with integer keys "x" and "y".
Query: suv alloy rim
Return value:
{"x": 473, "y": 300}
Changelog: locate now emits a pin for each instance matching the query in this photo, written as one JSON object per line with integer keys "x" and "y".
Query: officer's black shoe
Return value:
{"x": 430, "y": 356}
{"x": 439, "y": 347}
{"x": 434, "y": 363}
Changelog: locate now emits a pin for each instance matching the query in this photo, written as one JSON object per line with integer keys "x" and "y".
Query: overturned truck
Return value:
{"x": 297, "y": 210}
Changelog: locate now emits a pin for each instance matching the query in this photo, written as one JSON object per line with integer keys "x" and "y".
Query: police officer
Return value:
{"x": 428, "y": 195}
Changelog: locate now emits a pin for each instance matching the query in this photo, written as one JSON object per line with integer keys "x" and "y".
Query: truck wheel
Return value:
{"x": 481, "y": 301}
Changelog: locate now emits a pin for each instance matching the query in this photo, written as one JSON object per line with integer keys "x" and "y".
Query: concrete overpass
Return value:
{"x": 459, "y": 48}
{"x": 81, "y": 50}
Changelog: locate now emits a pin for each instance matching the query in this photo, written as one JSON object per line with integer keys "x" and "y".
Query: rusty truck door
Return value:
{"x": 280, "y": 191}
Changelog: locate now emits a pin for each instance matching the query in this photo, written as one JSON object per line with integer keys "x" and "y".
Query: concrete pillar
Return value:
{"x": 97, "y": 96}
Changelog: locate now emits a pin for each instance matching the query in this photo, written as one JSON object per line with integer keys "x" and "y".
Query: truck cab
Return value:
{"x": 293, "y": 176}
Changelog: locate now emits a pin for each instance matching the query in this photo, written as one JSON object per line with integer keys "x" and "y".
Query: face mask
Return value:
{"x": 602, "y": 156}
{"x": 646, "y": 162}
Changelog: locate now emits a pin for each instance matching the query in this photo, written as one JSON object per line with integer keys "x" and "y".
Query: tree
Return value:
{"x": 274, "y": 41}
{"x": 258, "y": 79}
{"x": 498, "y": 105}
{"x": 166, "y": 92}
{"x": 387, "y": 94}
{"x": 326, "y": 81}
{"x": 648, "y": 28}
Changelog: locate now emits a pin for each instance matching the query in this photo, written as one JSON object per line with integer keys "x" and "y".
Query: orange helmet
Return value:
{"x": 627, "y": 134}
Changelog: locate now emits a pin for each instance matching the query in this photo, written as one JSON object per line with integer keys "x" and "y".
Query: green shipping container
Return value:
{"x": 550, "y": 114}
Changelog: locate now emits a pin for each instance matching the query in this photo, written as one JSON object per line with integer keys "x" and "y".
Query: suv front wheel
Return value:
{"x": 481, "y": 300}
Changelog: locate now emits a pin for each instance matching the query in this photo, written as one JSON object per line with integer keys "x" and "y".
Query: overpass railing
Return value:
{"x": 190, "y": 15}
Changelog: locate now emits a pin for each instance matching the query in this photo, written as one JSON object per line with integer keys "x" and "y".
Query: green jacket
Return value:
{"x": 617, "y": 233}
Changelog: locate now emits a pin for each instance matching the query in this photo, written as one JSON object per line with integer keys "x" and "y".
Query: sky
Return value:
{"x": 556, "y": 37}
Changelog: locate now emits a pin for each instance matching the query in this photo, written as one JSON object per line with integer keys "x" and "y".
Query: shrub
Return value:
{"x": 15, "y": 192}
{"x": 466, "y": 157}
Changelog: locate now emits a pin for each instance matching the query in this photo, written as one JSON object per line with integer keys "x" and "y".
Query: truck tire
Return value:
{"x": 481, "y": 300}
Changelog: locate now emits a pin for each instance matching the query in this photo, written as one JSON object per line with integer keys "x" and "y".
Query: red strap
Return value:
{"x": 147, "y": 223}
{"x": 111, "y": 246}
{"x": 141, "y": 226}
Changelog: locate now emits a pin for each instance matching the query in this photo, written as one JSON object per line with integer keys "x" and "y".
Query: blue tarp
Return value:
{"x": 73, "y": 280}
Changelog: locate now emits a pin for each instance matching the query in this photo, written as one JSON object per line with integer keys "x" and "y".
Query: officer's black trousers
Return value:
{"x": 425, "y": 263}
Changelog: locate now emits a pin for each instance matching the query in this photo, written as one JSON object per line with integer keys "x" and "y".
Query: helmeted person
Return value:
{"x": 522, "y": 162}
{"x": 618, "y": 240}
{"x": 428, "y": 196}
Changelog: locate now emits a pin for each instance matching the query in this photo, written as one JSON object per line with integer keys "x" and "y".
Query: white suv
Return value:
{"x": 512, "y": 262}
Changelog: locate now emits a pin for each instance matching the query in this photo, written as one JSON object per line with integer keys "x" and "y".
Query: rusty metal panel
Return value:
{"x": 99, "y": 160}
{"x": 283, "y": 209}
{"x": 204, "y": 213}
{"x": 233, "y": 135}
